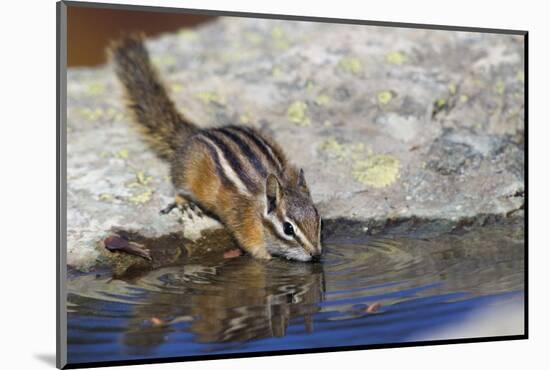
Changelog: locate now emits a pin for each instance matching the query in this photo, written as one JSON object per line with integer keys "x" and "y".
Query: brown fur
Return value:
{"x": 164, "y": 127}
{"x": 222, "y": 170}
{"x": 205, "y": 188}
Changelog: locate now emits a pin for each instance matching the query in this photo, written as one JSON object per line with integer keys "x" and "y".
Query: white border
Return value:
{"x": 27, "y": 146}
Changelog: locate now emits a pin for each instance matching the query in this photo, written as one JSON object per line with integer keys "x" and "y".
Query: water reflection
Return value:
{"x": 239, "y": 300}
{"x": 215, "y": 305}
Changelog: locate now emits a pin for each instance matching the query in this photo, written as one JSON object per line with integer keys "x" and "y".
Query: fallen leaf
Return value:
{"x": 157, "y": 322}
{"x": 373, "y": 308}
{"x": 233, "y": 253}
{"x": 116, "y": 243}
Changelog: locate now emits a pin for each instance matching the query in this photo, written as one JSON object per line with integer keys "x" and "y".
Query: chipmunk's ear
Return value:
{"x": 273, "y": 192}
{"x": 302, "y": 181}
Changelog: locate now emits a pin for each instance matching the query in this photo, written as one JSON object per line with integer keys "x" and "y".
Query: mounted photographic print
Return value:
{"x": 235, "y": 184}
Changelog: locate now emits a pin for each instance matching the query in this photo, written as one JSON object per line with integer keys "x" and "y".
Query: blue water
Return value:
{"x": 421, "y": 287}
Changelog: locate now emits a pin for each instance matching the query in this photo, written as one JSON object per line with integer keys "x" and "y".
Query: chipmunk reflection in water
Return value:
{"x": 242, "y": 299}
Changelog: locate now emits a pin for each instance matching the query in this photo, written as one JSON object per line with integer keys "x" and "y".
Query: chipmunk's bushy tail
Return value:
{"x": 164, "y": 127}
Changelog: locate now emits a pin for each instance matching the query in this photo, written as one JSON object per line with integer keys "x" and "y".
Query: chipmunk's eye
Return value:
{"x": 288, "y": 229}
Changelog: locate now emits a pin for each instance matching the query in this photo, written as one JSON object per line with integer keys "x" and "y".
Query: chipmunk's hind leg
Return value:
{"x": 169, "y": 208}
{"x": 184, "y": 205}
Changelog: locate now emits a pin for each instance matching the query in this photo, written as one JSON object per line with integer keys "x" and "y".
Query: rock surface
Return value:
{"x": 388, "y": 124}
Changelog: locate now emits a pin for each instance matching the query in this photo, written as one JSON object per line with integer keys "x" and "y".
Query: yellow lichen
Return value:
{"x": 210, "y": 97}
{"x": 342, "y": 151}
{"x": 440, "y": 103}
{"x": 276, "y": 72}
{"x": 297, "y": 113}
{"x": 245, "y": 118}
{"x": 520, "y": 76}
{"x": 142, "y": 179}
{"x": 188, "y": 34}
{"x": 96, "y": 89}
{"x": 253, "y": 38}
{"x": 396, "y": 57}
{"x": 322, "y": 100}
{"x": 122, "y": 153}
{"x": 105, "y": 196}
{"x": 176, "y": 88}
{"x": 384, "y": 97}
{"x": 91, "y": 114}
{"x": 332, "y": 146}
{"x": 500, "y": 87}
{"x": 452, "y": 88}
{"x": 280, "y": 39}
{"x": 464, "y": 98}
{"x": 96, "y": 114}
{"x": 277, "y": 32}
{"x": 377, "y": 171}
{"x": 351, "y": 65}
{"x": 114, "y": 114}
{"x": 163, "y": 60}
{"x": 142, "y": 197}
{"x": 357, "y": 151}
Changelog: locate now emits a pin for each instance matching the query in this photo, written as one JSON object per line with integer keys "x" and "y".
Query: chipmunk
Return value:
{"x": 234, "y": 173}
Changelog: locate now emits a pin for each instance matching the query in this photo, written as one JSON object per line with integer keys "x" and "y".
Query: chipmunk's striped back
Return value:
{"x": 234, "y": 173}
{"x": 243, "y": 157}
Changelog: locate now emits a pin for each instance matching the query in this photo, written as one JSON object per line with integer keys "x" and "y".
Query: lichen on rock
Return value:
{"x": 396, "y": 57}
{"x": 378, "y": 170}
{"x": 297, "y": 113}
{"x": 352, "y": 65}
{"x": 382, "y": 132}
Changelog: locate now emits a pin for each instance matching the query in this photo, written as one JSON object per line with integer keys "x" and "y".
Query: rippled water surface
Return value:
{"x": 376, "y": 290}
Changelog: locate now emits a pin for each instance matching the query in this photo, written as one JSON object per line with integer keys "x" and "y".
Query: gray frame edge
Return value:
{"x": 305, "y": 18}
{"x": 61, "y": 189}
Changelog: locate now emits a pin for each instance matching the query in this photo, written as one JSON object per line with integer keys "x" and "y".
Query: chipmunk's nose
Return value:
{"x": 316, "y": 255}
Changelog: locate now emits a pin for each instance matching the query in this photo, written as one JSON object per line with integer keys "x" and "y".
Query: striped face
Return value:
{"x": 293, "y": 222}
